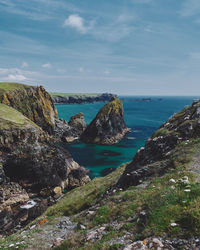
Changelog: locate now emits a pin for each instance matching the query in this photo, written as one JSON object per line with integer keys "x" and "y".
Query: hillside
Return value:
{"x": 153, "y": 204}
{"x": 33, "y": 102}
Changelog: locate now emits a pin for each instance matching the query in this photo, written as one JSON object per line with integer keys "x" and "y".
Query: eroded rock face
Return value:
{"x": 32, "y": 163}
{"x": 78, "y": 123}
{"x": 154, "y": 158}
{"x": 108, "y": 127}
{"x": 33, "y": 102}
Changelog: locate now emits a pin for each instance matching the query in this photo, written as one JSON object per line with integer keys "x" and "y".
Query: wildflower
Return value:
{"x": 172, "y": 181}
{"x": 187, "y": 190}
{"x": 173, "y": 224}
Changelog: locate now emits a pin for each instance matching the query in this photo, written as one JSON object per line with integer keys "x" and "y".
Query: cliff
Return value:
{"x": 156, "y": 158}
{"x": 59, "y": 98}
{"x": 31, "y": 163}
{"x": 33, "y": 102}
{"x": 108, "y": 127}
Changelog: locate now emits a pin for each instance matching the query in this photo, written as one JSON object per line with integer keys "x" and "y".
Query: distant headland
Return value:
{"x": 78, "y": 98}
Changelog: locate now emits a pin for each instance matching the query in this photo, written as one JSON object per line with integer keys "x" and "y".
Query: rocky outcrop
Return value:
{"x": 81, "y": 98}
{"x": 78, "y": 123}
{"x": 31, "y": 161}
{"x": 108, "y": 127}
{"x": 156, "y": 157}
{"x": 33, "y": 102}
{"x": 70, "y": 131}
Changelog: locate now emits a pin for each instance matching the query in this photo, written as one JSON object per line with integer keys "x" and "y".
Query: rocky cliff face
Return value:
{"x": 108, "y": 127}
{"x": 70, "y": 131}
{"x": 157, "y": 155}
{"x": 33, "y": 102}
{"x": 78, "y": 99}
{"x": 31, "y": 165}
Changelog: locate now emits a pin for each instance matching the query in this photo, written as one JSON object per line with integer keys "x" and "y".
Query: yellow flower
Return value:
{"x": 144, "y": 242}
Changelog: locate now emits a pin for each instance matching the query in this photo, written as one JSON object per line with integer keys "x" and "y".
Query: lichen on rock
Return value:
{"x": 33, "y": 102}
{"x": 109, "y": 126}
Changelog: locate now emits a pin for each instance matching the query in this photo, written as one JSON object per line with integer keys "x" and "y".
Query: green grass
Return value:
{"x": 9, "y": 86}
{"x": 82, "y": 197}
{"x": 11, "y": 118}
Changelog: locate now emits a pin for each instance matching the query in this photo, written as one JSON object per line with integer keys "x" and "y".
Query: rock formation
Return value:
{"x": 108, "y": 127}
{"x": 81, "y": 98}
{"x": 33, "y": 102}
{"x": 31, "y": 163}
{"x": 68, "y": 132}
{"x": 155, "y": 157}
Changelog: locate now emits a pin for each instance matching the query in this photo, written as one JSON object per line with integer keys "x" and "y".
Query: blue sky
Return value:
{"x": 135, "y": 47}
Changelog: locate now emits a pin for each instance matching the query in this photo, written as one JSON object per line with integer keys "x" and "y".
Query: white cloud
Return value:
{"x": 18, "y": 75}
{"x": 37, "y": 9}
{"x": 24, "y": 65}
{"x": 77, "y": 22}
{"x": 47, "y": 66}
{"x": 190, "y": 8}
{"x": 16, "y": 78}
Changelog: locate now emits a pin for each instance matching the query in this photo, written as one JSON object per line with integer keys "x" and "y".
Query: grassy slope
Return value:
{"x": 9, "y": 86}
{"x": 11, "y": 118}
{"x": 162, "y": 201}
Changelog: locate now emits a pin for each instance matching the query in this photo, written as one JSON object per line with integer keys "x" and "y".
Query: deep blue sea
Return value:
{"x": 143, "y": 117}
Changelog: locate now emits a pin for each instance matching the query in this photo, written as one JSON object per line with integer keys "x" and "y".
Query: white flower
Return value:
{"x": 11, "y": 245}
{"x": 172, "y": 187}
{"x": 173, "y": 224}
{"x": 187, "y": 190}
{"x": 172, "y": 181}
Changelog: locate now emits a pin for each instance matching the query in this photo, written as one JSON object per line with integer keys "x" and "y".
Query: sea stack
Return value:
{"x": 108, "y": 127}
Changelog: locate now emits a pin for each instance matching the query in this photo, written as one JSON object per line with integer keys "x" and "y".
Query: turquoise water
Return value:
{"x": 143, "y": 117}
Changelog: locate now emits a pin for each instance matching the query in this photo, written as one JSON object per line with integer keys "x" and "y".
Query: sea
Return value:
{"x": 143, "y": 115}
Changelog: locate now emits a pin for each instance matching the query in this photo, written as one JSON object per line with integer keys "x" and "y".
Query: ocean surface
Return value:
{"x": 143, "y": 117}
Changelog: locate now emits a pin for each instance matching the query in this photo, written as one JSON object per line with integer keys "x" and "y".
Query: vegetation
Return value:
{"x": 11, "y": 118}
{"x": 115, "y": 106}
{"x": 82, "y": 197}
{"x": 9, "y": 86}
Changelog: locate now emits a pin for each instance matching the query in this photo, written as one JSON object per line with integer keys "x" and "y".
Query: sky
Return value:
{"x": 126, "y": 47}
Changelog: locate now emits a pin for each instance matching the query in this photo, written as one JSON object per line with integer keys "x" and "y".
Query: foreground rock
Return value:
{"x": 155, "y": 157}
{"x": 32, "y": 162}
{"x": 81, "y": 98}
{"x": 108, "y": 127}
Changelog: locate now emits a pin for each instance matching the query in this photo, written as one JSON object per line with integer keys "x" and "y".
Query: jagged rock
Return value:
{"x": 78, "y": 123}
{"x": 33, "y": 102}
{"x": 30, "y": 158}
{"x": 68, "y": 132}
{"x": 11, "y": 197}
{"x": 108, "y": 127}
{"x": 154, "y": 158}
